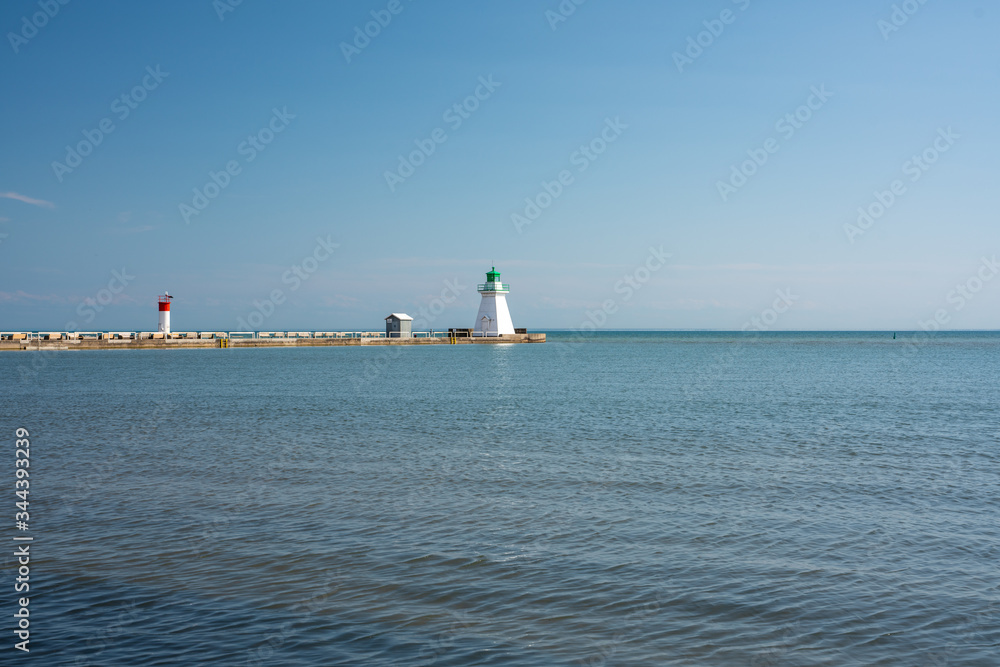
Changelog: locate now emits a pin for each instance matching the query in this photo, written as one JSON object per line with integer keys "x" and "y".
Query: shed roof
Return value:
{"x": 399, "y": 316}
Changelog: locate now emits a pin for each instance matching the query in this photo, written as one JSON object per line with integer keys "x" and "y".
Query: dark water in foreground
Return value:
{"x": 680, "y": 499}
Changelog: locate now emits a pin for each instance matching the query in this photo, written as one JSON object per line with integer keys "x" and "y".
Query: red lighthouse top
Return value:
{"x": 164, "y": 301}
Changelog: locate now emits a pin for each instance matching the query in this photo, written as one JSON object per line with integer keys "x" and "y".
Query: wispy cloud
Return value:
{"x": 27, "y": 200}
{"x": 20, "y": 296}
{"x": 3, "y": 219}
{"x": 807, "y": 268}
{"x": 478, "y": 264}
{"x": 340, "y": 300}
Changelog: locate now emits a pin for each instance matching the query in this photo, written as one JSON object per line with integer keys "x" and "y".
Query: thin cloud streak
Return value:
{"x": 27, "y": 200}
{"x": 20, "y": 296}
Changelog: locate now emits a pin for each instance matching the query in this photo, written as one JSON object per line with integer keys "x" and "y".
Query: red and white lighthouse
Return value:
{"x": 164, "y": 302}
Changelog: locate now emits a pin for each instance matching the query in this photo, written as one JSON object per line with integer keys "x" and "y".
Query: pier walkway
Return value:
{"x": 106, "y": 340}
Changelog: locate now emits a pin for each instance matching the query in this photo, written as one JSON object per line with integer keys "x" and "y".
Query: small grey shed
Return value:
{"x": 398, "y": 325}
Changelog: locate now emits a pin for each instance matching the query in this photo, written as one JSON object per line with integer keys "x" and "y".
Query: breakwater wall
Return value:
{"x": 53, "y": 342}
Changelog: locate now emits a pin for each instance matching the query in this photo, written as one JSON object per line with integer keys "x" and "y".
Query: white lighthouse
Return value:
{"x": 493, "y": 318}
{"x": 164, "y": 302}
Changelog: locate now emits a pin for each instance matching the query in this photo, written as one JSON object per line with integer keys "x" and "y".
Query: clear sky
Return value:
{"x": 115, "y": 113}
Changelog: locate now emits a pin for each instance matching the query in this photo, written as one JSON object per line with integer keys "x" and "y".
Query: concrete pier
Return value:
{"x": 23, "y": 341}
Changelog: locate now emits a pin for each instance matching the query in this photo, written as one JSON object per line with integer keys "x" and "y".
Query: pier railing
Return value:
{"x": 201, "y": 335}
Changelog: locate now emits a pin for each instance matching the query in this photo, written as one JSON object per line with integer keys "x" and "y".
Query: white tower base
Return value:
{"x": 493, "y": 318}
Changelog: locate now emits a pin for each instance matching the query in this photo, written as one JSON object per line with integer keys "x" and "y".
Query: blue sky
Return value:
{"x": 199, "y": 82}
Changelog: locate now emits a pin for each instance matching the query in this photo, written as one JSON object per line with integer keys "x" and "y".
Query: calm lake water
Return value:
{"x": 627, "y": 499}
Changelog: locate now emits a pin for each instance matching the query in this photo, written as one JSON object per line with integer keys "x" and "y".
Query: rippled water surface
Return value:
{"x": 631, "y": 499}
